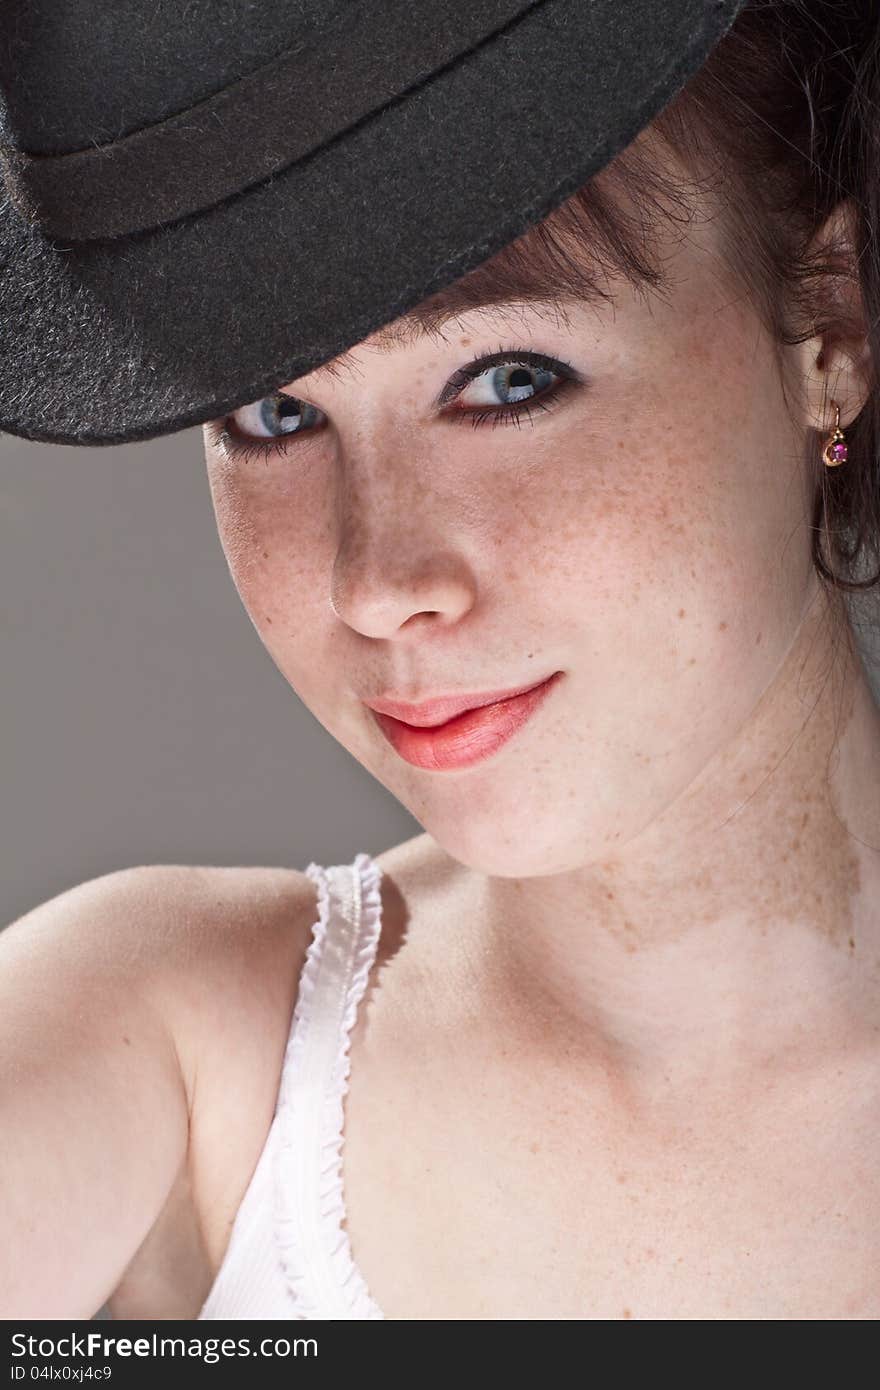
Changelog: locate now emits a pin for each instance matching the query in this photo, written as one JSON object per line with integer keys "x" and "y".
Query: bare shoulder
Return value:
{"x": 232, "y": 943}
{"x": 227, "y": 948}
{"x": 145, "y": 1013}
{"x": 235, "y": 944}
{"x": 221, "y": 935}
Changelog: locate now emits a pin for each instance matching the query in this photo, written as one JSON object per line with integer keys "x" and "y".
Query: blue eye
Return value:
{"x": 279, "y": 414}
{"x": 520, "y": 379}
{"x": 512, "y": 382}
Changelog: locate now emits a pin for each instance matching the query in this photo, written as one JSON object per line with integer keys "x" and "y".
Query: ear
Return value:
{"x": 837, "y": 365}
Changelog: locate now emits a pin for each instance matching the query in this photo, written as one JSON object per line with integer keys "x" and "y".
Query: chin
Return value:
{"x": 524, "y": 846}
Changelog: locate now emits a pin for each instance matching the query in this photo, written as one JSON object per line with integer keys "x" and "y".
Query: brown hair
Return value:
{"x": 779, "y": 126}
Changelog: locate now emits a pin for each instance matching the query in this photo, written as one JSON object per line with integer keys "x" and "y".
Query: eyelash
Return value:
{"x": 245, "y": 448}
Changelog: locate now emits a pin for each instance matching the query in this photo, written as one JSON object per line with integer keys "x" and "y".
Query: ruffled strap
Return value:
{"x": 313, "y": 1245}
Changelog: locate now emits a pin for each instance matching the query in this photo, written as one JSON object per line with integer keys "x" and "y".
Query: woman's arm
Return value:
{"x": 94, "y": 1113}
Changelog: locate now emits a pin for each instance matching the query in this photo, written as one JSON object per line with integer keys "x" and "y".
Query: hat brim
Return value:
{"x": 116, "y": 341}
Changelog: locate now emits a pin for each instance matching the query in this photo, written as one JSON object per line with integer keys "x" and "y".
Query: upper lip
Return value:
{"x": 440, "y": 708}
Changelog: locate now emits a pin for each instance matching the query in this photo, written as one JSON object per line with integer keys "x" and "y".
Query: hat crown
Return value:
{"x": 92, "y": 71}
{"x": 244, "y": 131}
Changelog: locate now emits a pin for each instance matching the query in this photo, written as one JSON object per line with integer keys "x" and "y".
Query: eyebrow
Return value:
{"x": 415, "y": 327}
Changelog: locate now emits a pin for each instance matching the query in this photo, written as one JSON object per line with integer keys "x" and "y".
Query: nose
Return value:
{"x": 398, "y": 564}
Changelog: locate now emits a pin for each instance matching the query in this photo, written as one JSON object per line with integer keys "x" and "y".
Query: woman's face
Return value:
{"x": 647, "y": 537}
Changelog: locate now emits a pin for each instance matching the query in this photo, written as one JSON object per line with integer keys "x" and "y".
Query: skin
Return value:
{"x": 672, "y": 873}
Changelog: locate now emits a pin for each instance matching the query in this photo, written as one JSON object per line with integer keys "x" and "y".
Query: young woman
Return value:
{"x": 560, "y": 555}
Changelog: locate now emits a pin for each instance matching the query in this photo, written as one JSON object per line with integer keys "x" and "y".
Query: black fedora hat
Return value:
{"x": 201, "y": 202}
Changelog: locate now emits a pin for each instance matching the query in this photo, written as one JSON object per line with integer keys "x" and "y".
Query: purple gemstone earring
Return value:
{"x": 835, "y": 450}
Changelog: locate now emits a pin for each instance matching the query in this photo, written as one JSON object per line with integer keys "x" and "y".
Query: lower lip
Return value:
{"x": 469, "y": 737}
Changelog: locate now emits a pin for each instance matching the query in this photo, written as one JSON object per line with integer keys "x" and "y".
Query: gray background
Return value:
{"x": 142, "y": 720}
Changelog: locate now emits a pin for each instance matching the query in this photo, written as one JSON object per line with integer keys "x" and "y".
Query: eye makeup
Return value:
{"x": 243, "y": 447}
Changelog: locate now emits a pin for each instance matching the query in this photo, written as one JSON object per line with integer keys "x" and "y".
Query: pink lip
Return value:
{"x": 468, "y": 737}
{"x": 430, "y": 713}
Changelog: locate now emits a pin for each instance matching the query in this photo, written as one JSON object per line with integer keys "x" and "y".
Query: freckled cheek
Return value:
{"x": 590, "y": 508}
{"x": 622, "y": 538}
{"x": 270, "y": 552}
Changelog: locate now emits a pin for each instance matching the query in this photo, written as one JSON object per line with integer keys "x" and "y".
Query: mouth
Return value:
{"x": 469, "y": 736}
{"x": 442, "y": 709}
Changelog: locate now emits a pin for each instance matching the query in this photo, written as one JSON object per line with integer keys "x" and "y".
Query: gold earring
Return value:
{"x": 835, "y": 450}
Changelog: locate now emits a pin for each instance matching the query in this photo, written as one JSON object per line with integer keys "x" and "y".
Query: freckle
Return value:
{"x": 650, "y": 1252}
{"x": 465, "y": 342}
{"x": 722, "y": 627}
{"x": 758, "y": 639}
{"x": 535, "y": 1147}
{"x": 269, "y": 621}
{"x": 681, "y": 612}
{"x": 621, "y": 1177}
{"x": 852, "y": 944}
{"x": 126, "y": 1040}
{"x": 265, "y": 554}
{"x": 627, "y": 1313}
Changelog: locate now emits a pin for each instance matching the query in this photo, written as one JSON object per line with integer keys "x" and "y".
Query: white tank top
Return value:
{"x": 288, "y": 1255}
